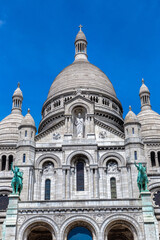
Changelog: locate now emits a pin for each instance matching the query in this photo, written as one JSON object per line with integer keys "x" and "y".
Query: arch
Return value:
{"x": 112, "y": 156}
{"x": 25, "y": 227}
{"x": 119, "y": 230}
{"x": 81, "y": 104}
{"x": 10, "y": 159}
{"x": 153, "y": 159}
{"x": 6, "y": 189}
{"x": 80, "y": 152}
{"x": 79, "y": 233}
{"x": 85, "y": 221}
{"x": 125, "y": 219}
{"x": 152, "y": 186}
{"x": 4, "y": 162}
{"x": 52, "y": 157}
{"x": 4, "y": 199}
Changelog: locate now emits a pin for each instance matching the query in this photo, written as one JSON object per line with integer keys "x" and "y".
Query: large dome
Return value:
{"x": 84, "y": 79}
{"x": 81, "y": 74}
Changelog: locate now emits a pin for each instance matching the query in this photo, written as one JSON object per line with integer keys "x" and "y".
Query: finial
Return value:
{"x": 28, "y": 110}
{"x": 142, "y": 80}
{"x": 80, "y": 26}
{"x": 18, "y": 84}
{"x": 130, "y": 108}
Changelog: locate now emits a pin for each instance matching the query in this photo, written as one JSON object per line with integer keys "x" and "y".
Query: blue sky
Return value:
{"x": 37, "y": 42}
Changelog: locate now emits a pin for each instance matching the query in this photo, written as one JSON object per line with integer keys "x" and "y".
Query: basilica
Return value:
{"x": 79, "y": 167}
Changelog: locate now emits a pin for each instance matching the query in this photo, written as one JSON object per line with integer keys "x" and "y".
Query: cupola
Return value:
{"x": 17, "y": 99}
{"x": 144, "y": 96}
{"x": 80, "y": 46}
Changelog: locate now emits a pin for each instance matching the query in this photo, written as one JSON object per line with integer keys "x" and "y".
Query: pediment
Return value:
{"x": 106, "y": 131}
{"x": 77, "y": 101}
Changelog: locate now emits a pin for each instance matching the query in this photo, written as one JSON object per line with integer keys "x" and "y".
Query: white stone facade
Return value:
{"x": 100, "y": 193}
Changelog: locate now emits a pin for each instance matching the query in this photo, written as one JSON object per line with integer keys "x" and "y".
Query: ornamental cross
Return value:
{"x": 80, "y": 26}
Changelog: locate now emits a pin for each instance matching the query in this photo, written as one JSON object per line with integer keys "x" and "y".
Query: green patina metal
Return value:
{"x": 17, "y": 180}
{"x": 142, "y": 178}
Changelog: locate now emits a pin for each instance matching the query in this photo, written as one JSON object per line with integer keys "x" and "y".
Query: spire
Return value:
{"x": 80, "y": 45}
{"x": 17, "y": 99}
{"x": 144, "y": 96}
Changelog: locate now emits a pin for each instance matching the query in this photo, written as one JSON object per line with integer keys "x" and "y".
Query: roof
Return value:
{"x": 28, "y": 120}
{"x": 9, "y": 128}
{"x": 81, "y": 74}
{"x": 131, "y": 117}
{"x": 150, "y": 124}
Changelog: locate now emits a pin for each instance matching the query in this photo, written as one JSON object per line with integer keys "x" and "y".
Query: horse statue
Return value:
{"x": 17, "y": 180}
{"x": 142, "y": 178}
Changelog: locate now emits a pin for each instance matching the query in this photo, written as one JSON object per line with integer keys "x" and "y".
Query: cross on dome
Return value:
{"x": 80, "y": 27}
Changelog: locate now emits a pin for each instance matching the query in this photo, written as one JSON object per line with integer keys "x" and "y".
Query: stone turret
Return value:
{"x": 17, "y": 99}
{"x": 26, "y": 154}
{"x": 144, "y": 96}
{"x": 134, "y": 148}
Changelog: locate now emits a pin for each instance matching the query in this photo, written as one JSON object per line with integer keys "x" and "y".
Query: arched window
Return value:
{"x": 158, "y": 155}
{"x": 47, "y": 189}
{"x": 113, "y": 188}
{"x": 80, "y": 176}
{"x": 3, "y": 162}
{"x": 4, "y": 200}
{"x": 135, "y": 155}
{"x": 10, "y": 162}
{"x": 153, "y": 160}
{"x": 25, "y": 133}
{"x": 24, "y": 157}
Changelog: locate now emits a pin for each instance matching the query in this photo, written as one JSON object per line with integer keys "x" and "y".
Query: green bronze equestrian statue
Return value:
{"x": 17, "y": 180}
{"x": 142, "y": 178}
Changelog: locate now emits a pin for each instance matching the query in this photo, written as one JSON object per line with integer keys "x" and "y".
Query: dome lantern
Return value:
{"x": 81, "y": 46}
{"x": 144, "y": 96}
{"x": 17, "y": 99}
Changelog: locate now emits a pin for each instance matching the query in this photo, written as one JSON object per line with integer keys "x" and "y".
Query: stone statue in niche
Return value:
{"x": 112, "y": 166}
{"x": 49, "y": 168}
{"x": 79, "y": 123}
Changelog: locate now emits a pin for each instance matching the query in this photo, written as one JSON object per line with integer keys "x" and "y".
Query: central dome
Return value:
{"x": 81, "y": 74}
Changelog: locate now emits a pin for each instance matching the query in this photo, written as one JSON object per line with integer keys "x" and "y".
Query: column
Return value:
{"x": 101, "y": 182}
{"x": 68, "y": 183}
{"x": 92, "y": 183}
{"x": 64, "y": 183}
{"x": 96, "y": 183}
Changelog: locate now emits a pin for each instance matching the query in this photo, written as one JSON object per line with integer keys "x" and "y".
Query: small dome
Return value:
{"x": 143, "y": 88}
{"x": 131, "y": 117}
{"x": 9, "y": 128}
{"x": 80, "y": 35}
{"x": 28, "y": 120}
{"x": 18, "y": 92}
{"x": 150, "y": 124}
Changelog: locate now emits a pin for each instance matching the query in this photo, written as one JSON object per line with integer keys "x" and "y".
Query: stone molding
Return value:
{"x": 112, "y": 155}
